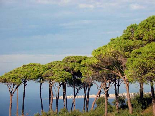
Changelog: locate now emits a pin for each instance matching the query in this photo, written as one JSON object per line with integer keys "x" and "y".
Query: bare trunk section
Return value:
{"x": 74, "y": 94}
{"x": 51, "y": 97}
{"x": 57, "y": 99}
{"x": 73, "y": 99}
{"x": 87, "y": 102}
{"x": 98, "y": 93}
{"x": 128, "y": 97}
{"x": 23, "y": 98}
{"x": 66, "y": 103}
{"x": 10, "y": 107}
{"x": 12, "y": 90}
{"x": 64, "y": 94}
{"x": 106, "y": 99}
{"x": 141, "y": 90}
{"x": 84, "y": 102}
{"x": 41, "y": 96}
{"x": 153, "y": 98}
{"x": 49, "y": 94}
{"x": 117, "y": 94}
{"x": 17, "y": 103}
{"x": 56, "y": 104}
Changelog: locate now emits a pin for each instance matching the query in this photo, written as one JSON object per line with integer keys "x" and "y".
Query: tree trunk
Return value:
{"x": 57, "y": 98}
{"x": 17, "y": 103}
{"x": 73, "y": 99}
{"x": 12, "y": 90}
{"x": 41, "y": 98}
{"x": 74, "y": 94}
{"x": 128, "y": 97}
{"x": 87, "y": 102}
{"x": 98, "y": 93}
{"x": 84, "y": 102}
{"x": 64, "y": 93}
{"x": 23, "y": 98}
{"x": 56, "y": 104}
{"x": 116, "y": 96}
{"x": 49, "y": 95}
{"x": 106, "y": 99}
{"x": 153, "y": 98}
{"x": 10, "y": 107}
{"x": 141, "y": 90}
{"x": 66, "y": 103}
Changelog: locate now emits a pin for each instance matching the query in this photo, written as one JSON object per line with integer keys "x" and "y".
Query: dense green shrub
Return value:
{"x": 138, "y": 108}
{"x": 101, "y": 103}
{"x": 141, "y": 104}
{"x": 122, "y": 102}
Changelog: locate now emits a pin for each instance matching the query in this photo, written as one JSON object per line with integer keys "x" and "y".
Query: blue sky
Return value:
{"x": 45, "y": 30}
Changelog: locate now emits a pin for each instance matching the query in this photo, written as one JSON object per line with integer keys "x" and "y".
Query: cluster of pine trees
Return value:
{"x": 128, "y": 58}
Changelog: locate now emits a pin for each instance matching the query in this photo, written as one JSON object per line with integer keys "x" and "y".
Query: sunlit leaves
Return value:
{"x": 30, "y": 71}
{"x": 56, "y": 72}
{"x": 146, "y": 30}
{"x": 141, "y": 64}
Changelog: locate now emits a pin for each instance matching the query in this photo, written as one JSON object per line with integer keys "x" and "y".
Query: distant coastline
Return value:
{"x": 111, "y": 96}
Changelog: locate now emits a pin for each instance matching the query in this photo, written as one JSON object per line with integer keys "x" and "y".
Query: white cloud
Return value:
{"x": 136, "y": 6}
{"x": 110, "y": 32}
{"x": 91, "y": 4}
{"x": 59, "y": 2}
{"x": 78, "y": 23}
{"x": 86, "y": 6}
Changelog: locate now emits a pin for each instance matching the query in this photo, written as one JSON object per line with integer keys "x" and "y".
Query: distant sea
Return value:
{"x": 32, "y": 98}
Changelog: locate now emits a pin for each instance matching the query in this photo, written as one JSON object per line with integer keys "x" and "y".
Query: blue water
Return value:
{"x": 32, "y": 98}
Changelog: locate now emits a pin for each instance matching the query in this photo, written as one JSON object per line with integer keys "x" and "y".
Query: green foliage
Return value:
{"x": 72, "y": 64}
{"x": 140, "y": 67}
{"x": 118, "y": 47}
{"x": 63, "y": 111}
{"x": 129, "y": 32}
{"x": 56, "y": 72}
{"x": 50, "y": 113}
{"x": 121, "y": 101}
{"x": 86, "y": 68}
{"x": 140, "y": 104}
{"x": 52, "y": 64}
{"x": 99, "y": 110}
{"x": 101, "y": 104}
{"x": 30, "y": 71}
{"x": 146, "y": 30}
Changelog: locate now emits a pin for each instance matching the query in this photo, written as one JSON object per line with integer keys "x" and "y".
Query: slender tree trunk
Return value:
{"x": 128, "y": 97}
{"x": 17, "y": 103}
{"x": 23, "y": 98}
{"x": 106, "y": 99}
{"x": 84, "y": 102}
{"x": 141, "y": 90}
{"x": 74, "y": 94}
{"x": 98, "y": 93}
{"x": 57, "y": 99}
{"x": 73, "y": 99}
{"x": 64, "y": 93}
{"x": 56, "y": 104}
{"x": 116, "y": 96}
{"x": 118, "y": 84}
{"x": 49, "y": 94}
{"x": 12, "y": 90}
{"x": 141, "y": 94}
{"x": 153, "y": 98}
{"x": 10, "y": 107}
{"x": 66, "y": 102}
{"x": 87, "y": 102}
{"x": 41, "y": 97}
